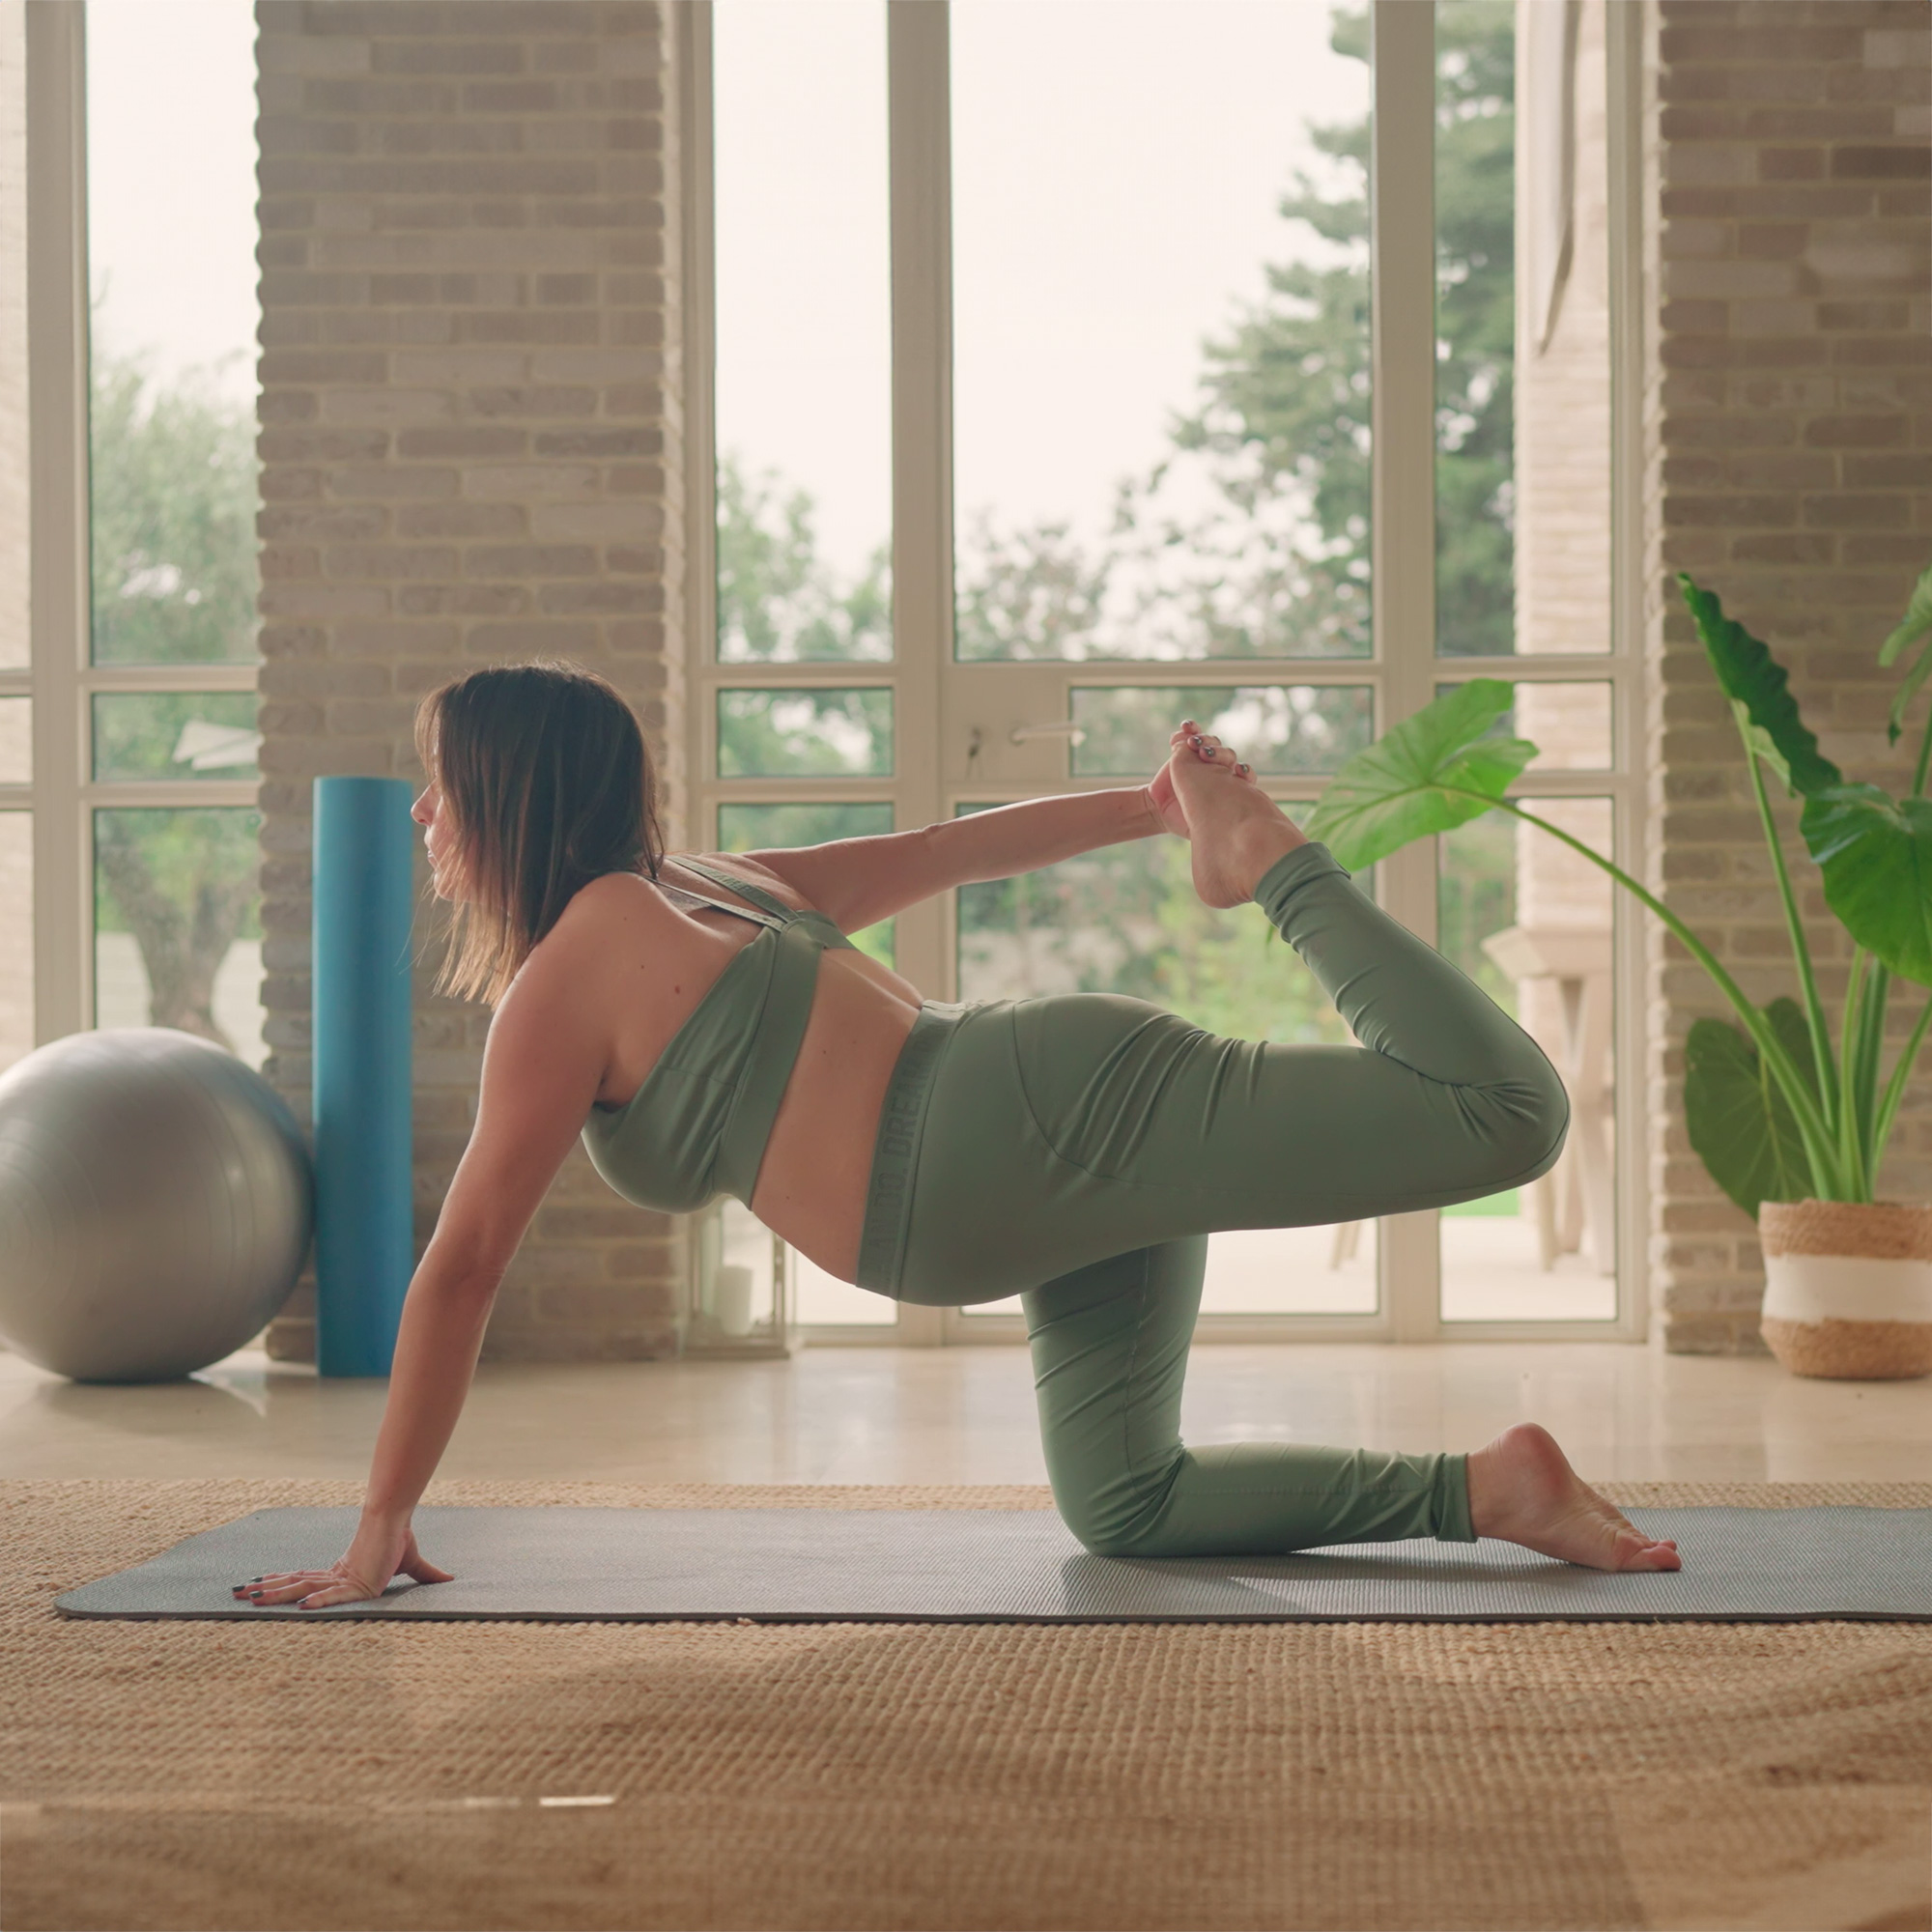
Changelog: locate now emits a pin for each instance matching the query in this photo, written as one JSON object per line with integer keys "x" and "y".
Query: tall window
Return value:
{"x": 17, "y": 703}
{"x": 1078, "y": 369}
{"x": 144, "y": 632}
{"x": 172, "y": 494}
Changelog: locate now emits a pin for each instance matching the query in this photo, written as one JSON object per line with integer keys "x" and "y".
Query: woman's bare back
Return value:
{"x": 655, "y": 958}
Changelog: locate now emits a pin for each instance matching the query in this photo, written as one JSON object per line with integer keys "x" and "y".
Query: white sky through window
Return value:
{"x": 1116, "y": 171}
{"x": 171, "y": 183}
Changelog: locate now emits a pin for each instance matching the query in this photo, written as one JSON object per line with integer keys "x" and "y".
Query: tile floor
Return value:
{"x": 966, "y": 1415}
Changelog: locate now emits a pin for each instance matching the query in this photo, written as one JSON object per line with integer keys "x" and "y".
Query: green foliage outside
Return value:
{"x": 1281, "y": 732}
{"x": 766, "y": 828}
{"x": 823, "y": 733}
{"x": 174, "y": 494}
{"x": 1475, "y": 326}
{"x": 1287, "y": 405}
{"x": 183, "y": 883}
{"x": 1126, "y": 919}
{"x": 1491, "y": 1207}
{"x": 779, "y": 603}
{"x": 778, "y": 600}
{"x": 174, "y": 581}
{"x": 142, "y": 734}
{"x": 1281, "y": 565}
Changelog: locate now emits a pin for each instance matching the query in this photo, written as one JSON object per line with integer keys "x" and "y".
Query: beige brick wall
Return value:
{"x": 1790, "y": 428}
{"x": 471, "y": 449}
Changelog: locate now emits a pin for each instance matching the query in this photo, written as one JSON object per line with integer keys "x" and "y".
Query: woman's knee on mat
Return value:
{"x": 1113, "y": 1460}
{"x": 1112, "y": 1516}
{"x": 1109, "y": 1345}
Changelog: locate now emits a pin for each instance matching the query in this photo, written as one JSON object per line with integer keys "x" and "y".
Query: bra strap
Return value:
{"x": 764, "y": 919}
{"x": 757, "y": 894}
{"x": 827, "y": 927}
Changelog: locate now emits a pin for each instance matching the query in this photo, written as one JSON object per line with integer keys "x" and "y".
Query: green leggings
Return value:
{"x": 1079, "y": 1149}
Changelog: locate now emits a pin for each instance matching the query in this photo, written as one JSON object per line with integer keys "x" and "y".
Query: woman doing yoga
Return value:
{"x": 705, "y": 1027}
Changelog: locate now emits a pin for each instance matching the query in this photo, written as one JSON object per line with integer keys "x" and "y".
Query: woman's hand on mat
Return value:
{"x": 379, "y": 1551}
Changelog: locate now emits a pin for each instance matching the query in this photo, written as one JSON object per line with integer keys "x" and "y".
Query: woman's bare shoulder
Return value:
{"x": 607, "y": 906}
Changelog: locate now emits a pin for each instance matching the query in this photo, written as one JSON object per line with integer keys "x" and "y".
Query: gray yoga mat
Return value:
{"x": 1023, "y": 1566}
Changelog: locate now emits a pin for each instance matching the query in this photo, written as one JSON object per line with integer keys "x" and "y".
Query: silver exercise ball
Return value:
{"x": 156, "y": 1203}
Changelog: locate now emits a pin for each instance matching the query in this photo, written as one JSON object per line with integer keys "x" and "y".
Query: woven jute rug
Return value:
{"x": 1348, "y": 1776}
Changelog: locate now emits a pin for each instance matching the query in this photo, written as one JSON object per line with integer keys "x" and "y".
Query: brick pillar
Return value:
{"x": 1791, "y": 447}
{"x": 471, "y": 454}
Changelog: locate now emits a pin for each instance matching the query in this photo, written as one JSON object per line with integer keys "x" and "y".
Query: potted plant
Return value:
{"x": 1791, "y": 1124}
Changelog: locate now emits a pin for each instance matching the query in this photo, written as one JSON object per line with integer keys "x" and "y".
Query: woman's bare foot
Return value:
{"x": 1523, "y": 1490}
{"x": 1237, "y": 830}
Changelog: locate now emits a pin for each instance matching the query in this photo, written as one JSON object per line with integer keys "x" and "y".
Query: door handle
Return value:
{"x": 1063, "y": 727}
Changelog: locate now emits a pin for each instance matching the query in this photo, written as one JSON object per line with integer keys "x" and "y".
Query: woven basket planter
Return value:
{"x": 1848, "y": 1288}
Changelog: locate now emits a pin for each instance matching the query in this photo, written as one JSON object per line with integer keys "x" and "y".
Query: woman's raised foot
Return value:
{"x": 1523, "y": 1490}
{"x": 1236, "y": 830}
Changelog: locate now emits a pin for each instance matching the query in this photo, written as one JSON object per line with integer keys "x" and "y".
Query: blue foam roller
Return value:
{"x": 364, "y": 1243}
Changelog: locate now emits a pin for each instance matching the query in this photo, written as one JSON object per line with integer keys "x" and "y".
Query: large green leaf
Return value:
{"x": 1740, "y": 1124}
{"x": 1916, "y": 624}
{"x": 1399, "y": 789}
{"x": 1756, "y": 684}
{"x": 1876, "y": 854}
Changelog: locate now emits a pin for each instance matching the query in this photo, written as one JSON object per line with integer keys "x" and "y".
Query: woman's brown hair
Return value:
{"x": 543, "y": 770}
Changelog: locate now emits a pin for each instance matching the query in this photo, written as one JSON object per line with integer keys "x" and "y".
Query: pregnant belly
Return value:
{"x": 811, "y": 1184}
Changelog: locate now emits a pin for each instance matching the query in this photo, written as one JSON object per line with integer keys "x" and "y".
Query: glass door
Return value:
{"x": 796, "y": 710}
{"x": 1136, "y": 534}
{"x": 1260, "y": 373}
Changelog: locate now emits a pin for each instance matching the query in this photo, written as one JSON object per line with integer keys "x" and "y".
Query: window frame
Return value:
{"x": 1403, "y": 667}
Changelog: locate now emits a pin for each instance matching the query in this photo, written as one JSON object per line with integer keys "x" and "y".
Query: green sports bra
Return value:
{"x": 696, "y": 1129}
